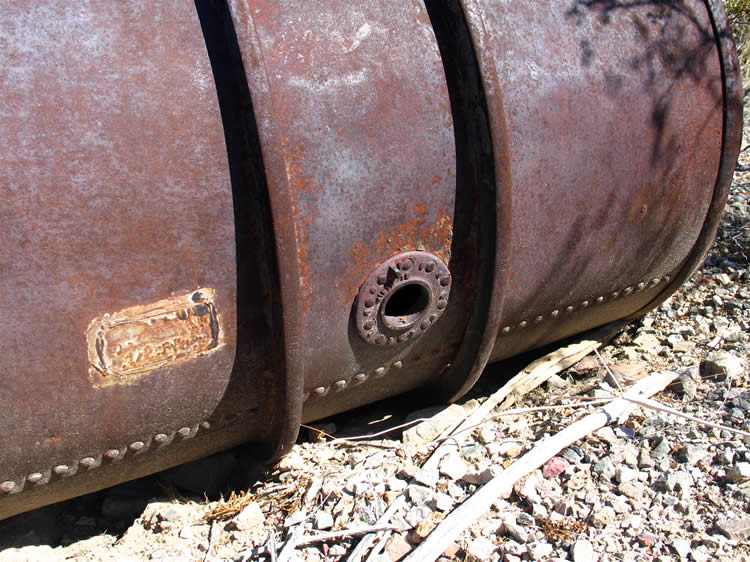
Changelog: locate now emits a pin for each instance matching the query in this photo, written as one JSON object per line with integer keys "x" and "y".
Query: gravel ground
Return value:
{"x": 658, "y": 487}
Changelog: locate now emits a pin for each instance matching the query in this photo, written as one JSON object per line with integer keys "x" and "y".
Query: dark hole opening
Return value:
{"x": 406, "y": 304}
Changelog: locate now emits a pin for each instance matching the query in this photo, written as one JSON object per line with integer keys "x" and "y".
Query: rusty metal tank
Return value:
{"x": 222, "y": 219}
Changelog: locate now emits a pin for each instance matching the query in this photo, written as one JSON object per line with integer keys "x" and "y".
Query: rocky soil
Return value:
{"x": 658, "y": 487}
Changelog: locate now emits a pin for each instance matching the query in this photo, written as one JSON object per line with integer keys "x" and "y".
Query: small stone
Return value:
{"x": 682, "y": 547}
{"x": 291, "y": 462}
{"x": 604, "y": 469}
{"x": 396, "y": 484}
{"x": 557, "y": 384}
{"x": 397, "y": 548}
{"x": 539, "y": 550}
{"x": 417, "y": 514}
{"x": 480, "y": 549}
{"x": 662, "y": 448}
{"x": 720, "y": 365}
{"x": 515, "y": 531}
{"x": 735, "y": 529}
{"x": 250, "y": 517}
{"x": 740, "y": 472}
{"x": 481, "y": 477}
{"x": 453, "y": 466}
{"x": 473, "y": 452}
{"x": 554, "y": 467}
{"x": 603, "y": 517}
{"x": 625, "y": 373}
{"x": 688, "y": 382}
{"x": 451, "y": 553}
{"x": 582, "y": 551}
{"x": 427, "y": 476}
{"x": 419, "y": 495}
{"x": 487, "y": 435}
{"x": 607, "y": 434}
{"x": 645, "y": 460}
{"x": 441, "y": 502}
{"x": 633, "y": 490}
{"x": 572, "y": 455}
{"x": 323, "y": 520}
{"x": 725, "y": 457}
{"x": 625, "y": 474}
{"x": 510, "y": 449}
{"x": 425, "y": 527}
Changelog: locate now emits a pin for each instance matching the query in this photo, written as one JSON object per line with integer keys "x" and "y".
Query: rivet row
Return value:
{"x": 108, "y": 456}
{"x": 357, "y": 379}
{"x": 586, "y": 303}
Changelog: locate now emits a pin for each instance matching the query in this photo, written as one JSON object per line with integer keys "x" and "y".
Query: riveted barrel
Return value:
{"x": 223, "y": 219}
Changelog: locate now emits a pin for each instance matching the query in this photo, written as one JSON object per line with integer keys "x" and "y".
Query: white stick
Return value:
{"x": 501, "y": 485}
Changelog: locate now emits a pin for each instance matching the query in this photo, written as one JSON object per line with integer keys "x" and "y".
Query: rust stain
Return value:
{"x": 125, "y": 345}
{"x": 417, "y": 234}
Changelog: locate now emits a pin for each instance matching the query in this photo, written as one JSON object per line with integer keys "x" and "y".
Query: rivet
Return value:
{"x": 34, "y": 477}
{"x": 402, "y": 338}
{"x": 569, "y": 309}
{"x": 425, "y": 324}
{"x": 433, "y": 317}
{"x": 370, "y": 302}
{"x": 161, "y": 438}
{"x": 205, "y": 425}
{"x": 61, "y": 469}
{"x": 339, "y": 385}
{"x": 320, "y": 391}
{"x": 641, "y": 286}
{"x": 380, "y": 371}
{"x": 538, "y": 319}
{"x": 381, "y": 339}
{"x": 554, "y": 313}
{"x": 445, "y": 280}
{"x": 7, "y": 486}
{"x": 615, "y": 294}
{"x": 366, "y": 313}
{"x": 381, "y": 279}
{"x": 584, "y": 304}
{"x": 599, "y": 300}
{"x": 87, "y": 462}
{"x": 136, "y": 446}
{"x": 360, "y": 378}
{"x": 523, "y": 324}
{"x": 430, "y": 267}
{"x": 655, "y": 281}
{"x": 368, "y": 325}
{"x": 666, "y": 278}
{"x": 405, "y": 265}
{"x": 505, "y": 330}
{"x": 112, "y": 454}
{"x": 627, "y": 290}
{"x": 183, "y": 432}
{"x": 398, "y": 364}
{"x": 441, "y": 305}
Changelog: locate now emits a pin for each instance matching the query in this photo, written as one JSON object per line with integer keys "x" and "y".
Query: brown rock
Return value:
{"x": 396, "y": 548}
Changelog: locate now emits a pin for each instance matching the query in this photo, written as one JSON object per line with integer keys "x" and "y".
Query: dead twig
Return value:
{"x": 335, "y": 535}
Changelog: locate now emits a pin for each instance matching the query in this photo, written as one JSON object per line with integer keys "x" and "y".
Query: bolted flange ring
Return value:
{"x": 402, "y": 297}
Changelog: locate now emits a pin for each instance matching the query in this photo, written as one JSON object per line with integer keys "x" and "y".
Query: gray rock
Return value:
{"x": 539, "y": 550}
{"x": 662, "y": 449}
{"x": 740, "y": 472}
{"x": 720, "y": 365}
{"x": 515, "y": 531}
{"x": 420, "y": 495}
{"x": 427, "y": 476}
{"x": 625, "y": 474}
{"x": 473, "y": 452}
{"x": 688, "y": 382}
{"x": 690, "y": 454}
{"x": 582, "y": 551}
{"x": 604, "y": 469}
{"x": 735, "y": 528}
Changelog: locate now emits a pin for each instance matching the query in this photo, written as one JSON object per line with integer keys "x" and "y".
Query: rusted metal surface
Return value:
{"x": 223, "y": 219}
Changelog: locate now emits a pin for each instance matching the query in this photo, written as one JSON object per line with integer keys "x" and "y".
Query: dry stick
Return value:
{"x": 533, "y": 375}
{"x": 320, "y": 537}
{"x": 501, "y": 485}
{"x": 292, "y": 542}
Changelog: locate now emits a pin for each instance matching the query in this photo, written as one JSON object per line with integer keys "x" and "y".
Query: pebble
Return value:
{"x": 251, "y": 517}
{"x": 397, "y": 548}
{"x": 480, "y": 549}
{"x": 453, "y": 466}
{"x": 582, "y": 551}
{"x": 682, "y": 547}
{"x": 735, "y": 528}
{"x": 513, "y": 530}
{"x": 554, "y": 467}
{"x": 722, "y": 365}
{"x": 539, "y": 550}
{"x": 740, "y": 472}
{"x": 323, "y": 520}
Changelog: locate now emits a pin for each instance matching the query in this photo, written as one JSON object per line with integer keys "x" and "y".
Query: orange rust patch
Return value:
{"x": 130, "y": 343}
{"x": 417, "y": 234}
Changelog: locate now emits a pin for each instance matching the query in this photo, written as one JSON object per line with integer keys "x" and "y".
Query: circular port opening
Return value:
{"x": 405, "y": 306}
